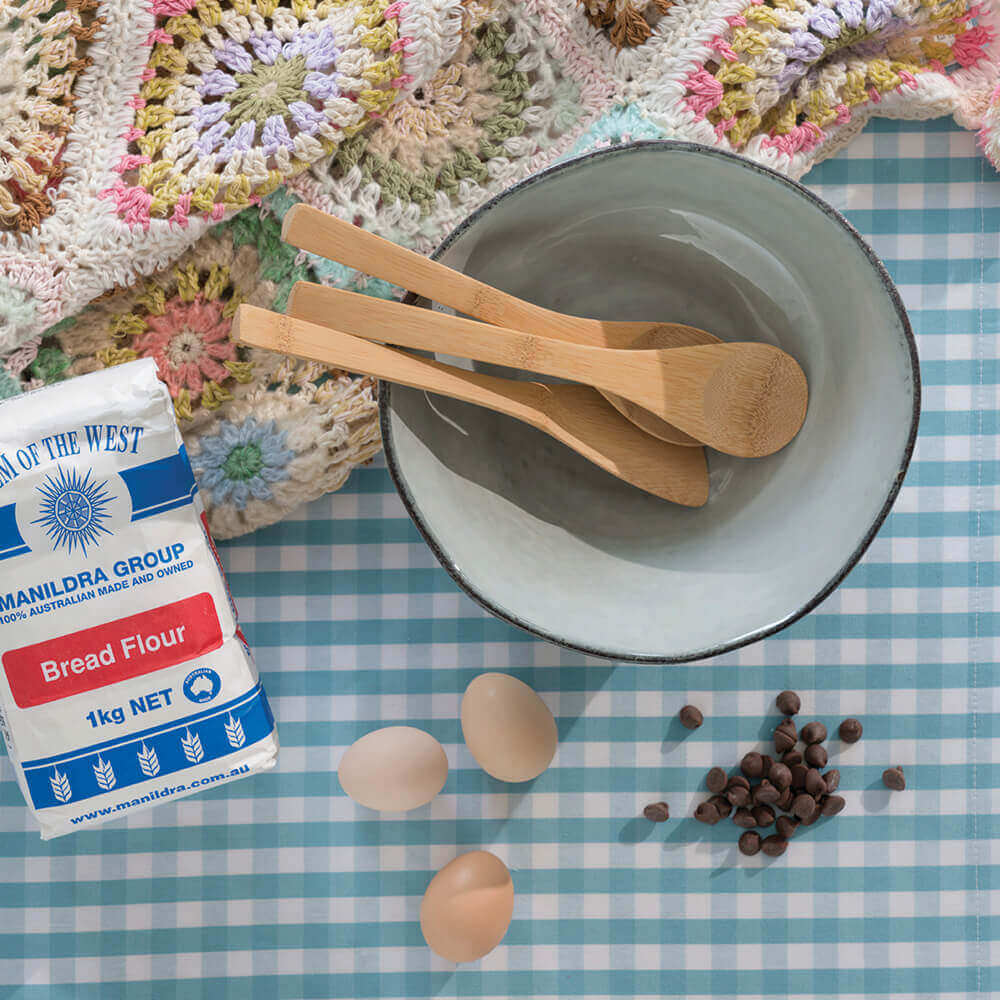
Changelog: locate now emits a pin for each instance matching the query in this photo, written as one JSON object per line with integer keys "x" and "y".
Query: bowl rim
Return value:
{"x": 888, "y": 286}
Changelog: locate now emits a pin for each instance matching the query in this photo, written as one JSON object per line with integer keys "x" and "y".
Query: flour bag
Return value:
{"x": 126, "y": 680}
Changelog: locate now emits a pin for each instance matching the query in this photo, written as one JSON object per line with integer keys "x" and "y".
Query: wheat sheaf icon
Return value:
{"x": 234, "y": 732}
{"x": 60, "y": 785}
{"x": 105, "y": 774}
{"x": 149, "y": 763}
{"x": 191, "y": 746}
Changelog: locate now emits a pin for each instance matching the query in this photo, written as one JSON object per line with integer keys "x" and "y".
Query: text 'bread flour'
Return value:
{"x": 126, "y": 680}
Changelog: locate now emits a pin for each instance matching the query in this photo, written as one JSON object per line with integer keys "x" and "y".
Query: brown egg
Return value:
{"x": 395, "y": 768}
{"x": 467, "y": 907}
{"x": 507, "y": 727}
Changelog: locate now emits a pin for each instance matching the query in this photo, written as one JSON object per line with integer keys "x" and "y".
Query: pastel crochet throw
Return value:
{"x": 148, "y": 149}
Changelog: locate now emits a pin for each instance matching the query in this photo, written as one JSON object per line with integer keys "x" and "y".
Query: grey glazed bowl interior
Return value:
{"x": 668, "y": 231}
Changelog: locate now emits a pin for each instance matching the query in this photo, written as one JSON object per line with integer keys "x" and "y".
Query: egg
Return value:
{"x": 467, "y": 907}
{"x": 507, "y": 727}
{"x": 395, "y": 768}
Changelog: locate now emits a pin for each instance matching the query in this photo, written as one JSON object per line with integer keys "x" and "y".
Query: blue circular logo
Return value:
{"x": 73, "y": 509}
{"x": 202, "y": 685}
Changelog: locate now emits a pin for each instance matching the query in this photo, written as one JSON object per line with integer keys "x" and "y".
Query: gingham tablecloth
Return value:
{"x": 280, "y": 887}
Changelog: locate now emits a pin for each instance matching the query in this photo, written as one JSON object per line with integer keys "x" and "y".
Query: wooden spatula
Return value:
{"x": 310, "y": 229}
{"x": 576, "y": 415}
{"x": 742, "y": 399}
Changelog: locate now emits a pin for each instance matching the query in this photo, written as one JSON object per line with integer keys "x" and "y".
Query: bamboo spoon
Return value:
{"x": 310, "y": 229}
{"x": 318, "y": 303}
{"x": 573, "y": 414}
{"x": 743, "y": 399}
{"x": 655, "y": 338}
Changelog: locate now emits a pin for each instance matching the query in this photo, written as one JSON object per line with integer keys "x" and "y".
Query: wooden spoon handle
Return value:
{"x": 310, "y": 229}
{"x": 425, "y": 329}
{"x": 318, "y": 232}
{"x": 274, "y": 332}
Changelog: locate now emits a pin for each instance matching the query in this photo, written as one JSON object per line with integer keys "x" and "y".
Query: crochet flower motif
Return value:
{"x": 42, "y": 53}
{"x": 463, "y": 127}
{"x": 786, "y": 70}
{"x": 189, "y": 343}
{"x": 187, "y": 334}
{"x": 181, "y": 317}
{"x": 242, "y": 461}
{"x": 237, "y": 98}
{"x": 266, "y": 94}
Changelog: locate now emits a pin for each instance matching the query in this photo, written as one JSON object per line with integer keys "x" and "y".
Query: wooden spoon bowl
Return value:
{"x": 661, "y": 335}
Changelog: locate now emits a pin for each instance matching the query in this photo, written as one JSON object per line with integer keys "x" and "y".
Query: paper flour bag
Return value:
{"x": 125, "y": 678}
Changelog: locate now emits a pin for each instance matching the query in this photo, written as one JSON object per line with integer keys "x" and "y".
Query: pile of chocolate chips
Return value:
{"x": 786, "y": 791}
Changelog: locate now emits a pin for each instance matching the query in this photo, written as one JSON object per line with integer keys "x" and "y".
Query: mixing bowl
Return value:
{"x": 668, "y": 231}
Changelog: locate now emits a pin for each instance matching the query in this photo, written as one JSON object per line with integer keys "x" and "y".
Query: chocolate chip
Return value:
{"x": 657, "y": 812}
{"x": 780, "y": 776}
{"x": 813, "y": 732}
{"x": 738, "y": 779}
{"x": 707, "y": 813}
{"x": 792, "y": 758}
{"x": 787, "y": 826}
{"x": 716, "y": 779}
{"x": 832, "y": 805}
{"x": 799, "y": 772}
{"x": 893, "y": 778}
{"x": 744, "y": 818}
{"x": 804, "y": 806}
{"x": 750, "y": 843}
{"x": 816, "y": 755}
{"x": 752, "y": 764}
{"x": 832, "y": 779}
{"x": 815, "y": 785}
{"x": 785, "y": 801}
{"x": 788, "y": 703}
{"x": 738, "y": 795}
{"x": 763, "y": 815}
{"x": 785, "y": 736}
{"x": 722, "y": 806}
{"x": 768, "y": 764}
{"x": 809, "y": 820}
{"x": 690, "y": 717}
{"x": 774, "y": 846}
{"x": 850, "y": 730}
{"x": 765, "y": 792}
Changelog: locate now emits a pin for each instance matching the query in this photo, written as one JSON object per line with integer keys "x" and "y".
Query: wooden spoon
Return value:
{"x": 573, "y": 414}
{"x": 316, "y": 304}
{"x": 742, "y": 399}
{"x": 310, "y": 229}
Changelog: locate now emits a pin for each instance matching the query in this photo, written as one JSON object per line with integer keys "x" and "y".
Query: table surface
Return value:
{"x": 280, "y": 887}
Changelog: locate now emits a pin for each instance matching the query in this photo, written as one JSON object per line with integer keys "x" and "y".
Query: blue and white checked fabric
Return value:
{"x": 279, "y": 887}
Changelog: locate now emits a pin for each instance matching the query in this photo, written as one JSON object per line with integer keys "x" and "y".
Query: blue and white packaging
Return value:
{"x": 125, "y": 678}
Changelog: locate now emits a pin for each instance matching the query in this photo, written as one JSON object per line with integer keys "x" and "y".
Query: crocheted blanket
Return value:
{"x": 148, "y": 149}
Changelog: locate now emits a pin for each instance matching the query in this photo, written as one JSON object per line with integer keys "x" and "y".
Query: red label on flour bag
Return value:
{"x": 125, "y": 677}
{"x": 129, "y": 647}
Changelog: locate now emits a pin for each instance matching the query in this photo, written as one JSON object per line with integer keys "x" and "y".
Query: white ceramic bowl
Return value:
{"x": 669, "y": 231}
